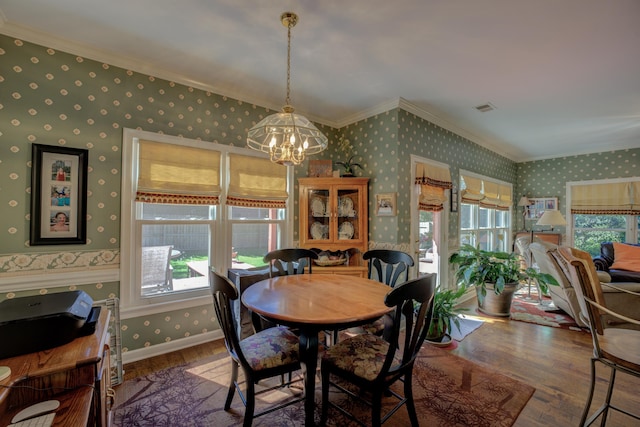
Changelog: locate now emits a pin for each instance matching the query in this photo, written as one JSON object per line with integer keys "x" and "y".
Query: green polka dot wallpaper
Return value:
{"x": 57, "y": 98}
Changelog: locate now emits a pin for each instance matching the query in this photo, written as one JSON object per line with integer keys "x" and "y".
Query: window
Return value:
{"x": 604, "y": 211}
{"x": 485, "y": 212}
{"x": 189, "y": 205}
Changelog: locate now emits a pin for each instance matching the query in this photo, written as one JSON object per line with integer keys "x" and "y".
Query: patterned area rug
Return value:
{"x": 530, "y": 311}
{"x": 448, "y": 391}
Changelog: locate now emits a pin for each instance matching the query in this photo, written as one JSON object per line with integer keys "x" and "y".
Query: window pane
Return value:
{"x": 468, "y": 238}
{"x": 484, "y": 240}
{"x": 501, "y": 219}
{"x": 466, "y": 216}
{"x": 591, "y": 230}
{"x": 159, "y": 212}
{"x": 252, "y": 241}
{"x": 484, "y": 217}
{"x": 256, "y": 213}
{"x": 187, "y": 265}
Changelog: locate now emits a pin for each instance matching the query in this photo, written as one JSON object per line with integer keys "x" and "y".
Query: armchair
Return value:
{"x": 624, "y": 298}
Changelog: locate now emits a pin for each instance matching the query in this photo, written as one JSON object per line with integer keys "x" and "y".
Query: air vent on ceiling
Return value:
{"x": 485, "y": 108}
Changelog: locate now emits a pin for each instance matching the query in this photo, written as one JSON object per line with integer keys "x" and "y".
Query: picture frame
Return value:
{"x": 320, "y": 168}
{"x": 386, "y": 204}
{"x": 454, "y": 200}
{"x": 58, "y": 195}
{"x": 539, "y": 205}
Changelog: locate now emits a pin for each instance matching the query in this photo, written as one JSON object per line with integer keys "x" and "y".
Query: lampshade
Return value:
{"x": 552, "y": 218}
{"x": 524, "y": 201}
{"x": 285, "y": 136}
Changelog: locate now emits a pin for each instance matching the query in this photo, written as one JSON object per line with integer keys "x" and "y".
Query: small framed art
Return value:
{"x": 58, "y": 195}
{"x": 386, "y": 204}
{"x": 539, "y": 205}
{"x": 318, "y": 168}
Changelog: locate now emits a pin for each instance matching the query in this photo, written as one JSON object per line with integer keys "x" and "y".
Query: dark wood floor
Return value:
{"x": 554, "y": 361}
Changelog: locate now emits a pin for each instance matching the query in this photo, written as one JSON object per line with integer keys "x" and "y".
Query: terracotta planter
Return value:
{"x": 497, "y": 305}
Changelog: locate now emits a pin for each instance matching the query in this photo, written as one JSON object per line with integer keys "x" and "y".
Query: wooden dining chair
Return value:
{"x": 374, "y": 364}
{"x": 269, "y": 353}
{"x": 290, "y": 261}
{"x": 616, "y": 348}
{"x": 389, "y": 267}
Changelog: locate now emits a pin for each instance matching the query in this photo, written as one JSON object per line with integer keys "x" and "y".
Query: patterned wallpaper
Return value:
{"x": 55, "y": 98}
{"x": 548, "y": 178}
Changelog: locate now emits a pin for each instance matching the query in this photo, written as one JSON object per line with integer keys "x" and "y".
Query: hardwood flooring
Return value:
{"x": 555, "y": 361}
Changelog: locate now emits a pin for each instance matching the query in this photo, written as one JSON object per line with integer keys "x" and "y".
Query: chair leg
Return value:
{"x": 376, "y": 408}
{"x": 592, "y": 386}
{"x": 408, "y": 394}
{"x": 325, "y": 397}
{"x": 251, "y": 403}
{"x": 232, "y": 385}
{"x": 605, "y": 413}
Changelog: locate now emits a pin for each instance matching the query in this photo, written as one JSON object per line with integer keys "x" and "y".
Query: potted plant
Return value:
{"x": 445, "y": 313}
{"x": 349, "y": 165}
{"x": 498, "y": 272}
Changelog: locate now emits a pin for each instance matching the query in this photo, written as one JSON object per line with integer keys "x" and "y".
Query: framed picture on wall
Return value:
{"x": 386, "y": 204}
{"x": 58, "y": 195}
{"x": 541, "y": 204}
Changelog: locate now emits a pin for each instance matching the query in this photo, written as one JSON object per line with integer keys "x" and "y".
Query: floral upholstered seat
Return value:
{"x": 270, "y": 348}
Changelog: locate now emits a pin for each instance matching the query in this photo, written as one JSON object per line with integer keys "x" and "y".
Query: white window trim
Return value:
{"x": 497, "y": 181}
{"x": 133, "y": 305}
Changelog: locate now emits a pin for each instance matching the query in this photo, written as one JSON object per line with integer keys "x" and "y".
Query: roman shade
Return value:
{"x": 433, "y": 181}
{"x": 619, "y": 198}
{"x": 471, "y": 190}
{"x": 488, "y": 194}
{"x": 256, "y": 183}
{"x": 177, "y": 174}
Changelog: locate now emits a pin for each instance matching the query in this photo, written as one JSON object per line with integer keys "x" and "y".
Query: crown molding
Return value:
{"x": 44, "y": 39}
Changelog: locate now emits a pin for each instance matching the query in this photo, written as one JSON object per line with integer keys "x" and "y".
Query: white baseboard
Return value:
{"x": 168, "y": 347}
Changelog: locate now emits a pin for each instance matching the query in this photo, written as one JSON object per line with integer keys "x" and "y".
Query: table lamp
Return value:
{"x": 524, "y": 202}
{"x": 552, "y": 218}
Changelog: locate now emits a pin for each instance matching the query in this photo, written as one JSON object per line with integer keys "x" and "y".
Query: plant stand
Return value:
{"x": 496, "y": 305}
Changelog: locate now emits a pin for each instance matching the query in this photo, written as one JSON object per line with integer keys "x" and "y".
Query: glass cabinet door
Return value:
{"x": 319, "y": 211}
{"x": 348, "y": 206}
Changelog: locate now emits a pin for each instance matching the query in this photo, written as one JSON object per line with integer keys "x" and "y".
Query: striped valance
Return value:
{"x": 618, "y": 198}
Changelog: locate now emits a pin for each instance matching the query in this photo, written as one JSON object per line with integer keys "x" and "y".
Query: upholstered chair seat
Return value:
{"x": 270, "y": 348}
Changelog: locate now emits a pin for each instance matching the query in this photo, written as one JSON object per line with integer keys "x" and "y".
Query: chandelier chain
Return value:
{"x": 288, "y": 99}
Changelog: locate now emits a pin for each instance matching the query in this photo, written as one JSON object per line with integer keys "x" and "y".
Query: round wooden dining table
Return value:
{"x": 314, "y": 303}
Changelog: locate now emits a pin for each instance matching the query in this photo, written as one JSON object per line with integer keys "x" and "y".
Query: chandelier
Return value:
{"x": 286, "y": 136}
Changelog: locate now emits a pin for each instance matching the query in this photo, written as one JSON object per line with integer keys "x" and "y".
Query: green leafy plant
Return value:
{"x": 479, "y": 267}
{"x": 445, "y": 312}
{"x": 349, "y": 165}
{"x": 345, "y": 146}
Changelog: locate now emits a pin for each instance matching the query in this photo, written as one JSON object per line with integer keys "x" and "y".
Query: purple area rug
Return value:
{"x": 448, "y": 391}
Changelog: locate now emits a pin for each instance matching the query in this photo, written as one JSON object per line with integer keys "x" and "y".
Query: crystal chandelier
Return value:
{"x": 286, "y": 136}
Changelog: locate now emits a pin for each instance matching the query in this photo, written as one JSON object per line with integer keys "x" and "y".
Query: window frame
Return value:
{"x": 632, "y": 231}
{"x": 132, "y": 301}
{"x": 475, "y": 220}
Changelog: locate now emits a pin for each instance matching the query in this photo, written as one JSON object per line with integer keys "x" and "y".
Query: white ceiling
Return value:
{"x": 564, "y": 75}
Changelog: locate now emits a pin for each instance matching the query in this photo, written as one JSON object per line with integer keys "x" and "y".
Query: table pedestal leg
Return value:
{"x": 309, "y": 362}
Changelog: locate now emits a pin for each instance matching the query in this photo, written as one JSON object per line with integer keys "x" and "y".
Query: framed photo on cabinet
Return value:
{"x": 58, "y": 195}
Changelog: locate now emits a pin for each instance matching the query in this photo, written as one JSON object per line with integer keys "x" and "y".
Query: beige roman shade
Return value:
{"x": 505, "y": 197}
{"x": 471, "y": 190}
{"x": 177, "y": 174}
{"x": 488, "y": 194}
{"x": 433, "y": 181}
{"x": 620, "y": 198}
{"x": 257, "y": 183}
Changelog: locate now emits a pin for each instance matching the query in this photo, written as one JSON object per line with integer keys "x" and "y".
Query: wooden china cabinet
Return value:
{"x": 334, "y": 217}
